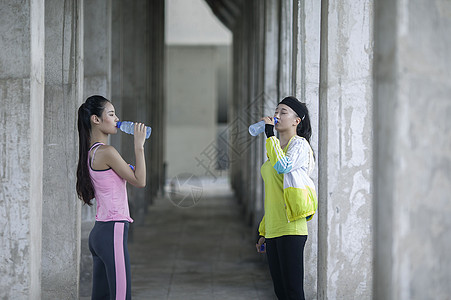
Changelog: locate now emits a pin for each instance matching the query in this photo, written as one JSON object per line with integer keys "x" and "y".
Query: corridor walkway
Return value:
{"x": 201, "y": 251}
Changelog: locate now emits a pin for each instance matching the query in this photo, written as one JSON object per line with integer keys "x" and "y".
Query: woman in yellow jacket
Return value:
{"x": 290, "y": 197}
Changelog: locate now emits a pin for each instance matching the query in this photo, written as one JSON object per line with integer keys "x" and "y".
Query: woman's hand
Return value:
{"x": 268, "y": 120}
{"x": 139, "y": 135}
{"x": 261, "y": 241}
{"x": 140, "y": 168}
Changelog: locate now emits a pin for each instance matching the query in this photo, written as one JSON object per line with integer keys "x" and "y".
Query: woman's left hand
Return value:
{"x": 268, "y": 120}
{"x": 139, "y": 135}
{"x": 261, "y": 242}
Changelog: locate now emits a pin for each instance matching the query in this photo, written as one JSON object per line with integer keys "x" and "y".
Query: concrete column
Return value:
{"x": 96, "y": 81}
{"x": 260, "y": 100}
{"x": 137, "y": 88}
{"x": 252, "y": 110}
{"x": 286, "y": 59}
{"x": 271, "y": 39}
{"x": 21, "y": 151}
{"x": 116, "y": 65}
{"x": 306, "y": 50}
{"x": 244, "y": 93}
{"x": 268, "y": 94}
{"x": 345, "y": 150}
{"x": 235, "y": 173}
{"x": 97, "y": 48}
{"x": 412, "y": 158}
{"x": 63, "y": 93}
{"x": 156, "y": 99}
{"x": 135, "y": 58}
{"x": 239, "y": 71}
{"x": 255, "y": 49}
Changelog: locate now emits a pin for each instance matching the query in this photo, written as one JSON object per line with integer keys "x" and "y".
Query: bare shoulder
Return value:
{"x": 108, "y": 150}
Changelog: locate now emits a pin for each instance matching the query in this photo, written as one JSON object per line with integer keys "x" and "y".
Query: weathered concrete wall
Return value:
{"x": 97, "y": 20}
{"x": 21, "y": 154}
{"x": 97, "y": 48}
{"x": 63, "y": 94}
{"x": 306, "y": 50}
{"x": 412, "y": 157}
{"x": 345, "y": 151}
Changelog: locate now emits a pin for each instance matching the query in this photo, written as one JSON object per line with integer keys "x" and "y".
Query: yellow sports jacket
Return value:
{"x": 298, "y": 188}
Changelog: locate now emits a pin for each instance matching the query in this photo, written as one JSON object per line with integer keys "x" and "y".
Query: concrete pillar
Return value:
{"x": 235, "y": 173}
{"x": 63, "y": 93}
{"x": 96, "y": 81}
{"x": 286, "y": 43}
{"x": 261, "y": 102}
{"x": 116, "y": 65}
{"x": 134, "y": 41}
{"x": 240, "y": 136}
{"x": 306, "y": 50}
{"x": 255, "y": 49}
{"x": 252, "y": 111}
{"x": 271, "y": 42}
{"x": 21, "y": 151}
{"x": 156, "y": 99}
{"x": 97, "y": 48}
{"x": 412, "y": 158}
{"x": 345, "y": 150}
{"x": 137, "y": 88}
{"x": 267, "y": 94}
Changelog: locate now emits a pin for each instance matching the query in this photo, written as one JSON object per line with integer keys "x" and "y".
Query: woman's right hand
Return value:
{"x": 139, "y": 135}
{"x": 268, "y": 120}
{"x": 261, "y": 241}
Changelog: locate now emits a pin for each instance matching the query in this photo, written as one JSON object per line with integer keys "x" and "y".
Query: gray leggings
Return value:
{"x": 111, "y": 263}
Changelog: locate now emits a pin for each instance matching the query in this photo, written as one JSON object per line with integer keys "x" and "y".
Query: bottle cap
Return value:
{"x": 118, "y": 124}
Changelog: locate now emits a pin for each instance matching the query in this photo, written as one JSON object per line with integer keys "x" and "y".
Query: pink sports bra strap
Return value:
{"x": 96, "y": 146}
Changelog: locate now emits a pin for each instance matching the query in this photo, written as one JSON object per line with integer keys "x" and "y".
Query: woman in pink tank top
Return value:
{"x": 102, "y": 174}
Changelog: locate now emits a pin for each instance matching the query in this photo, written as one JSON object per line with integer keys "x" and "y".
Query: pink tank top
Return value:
{"x": 110, "y": 192}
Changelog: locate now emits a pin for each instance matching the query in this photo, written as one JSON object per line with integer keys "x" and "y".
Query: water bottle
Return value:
{"x": 129, "y": 127}
{"x": 259, "y": 127}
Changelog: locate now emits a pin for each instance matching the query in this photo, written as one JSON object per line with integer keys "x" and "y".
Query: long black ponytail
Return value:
{"x": 94, "y": 105}
{"x": 304, "y": 128}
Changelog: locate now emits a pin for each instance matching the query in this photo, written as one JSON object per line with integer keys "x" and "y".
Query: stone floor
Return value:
{"x": 195, "y": 245}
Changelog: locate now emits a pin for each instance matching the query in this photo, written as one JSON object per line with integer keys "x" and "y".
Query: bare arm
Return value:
{"x": 109, "y": 156}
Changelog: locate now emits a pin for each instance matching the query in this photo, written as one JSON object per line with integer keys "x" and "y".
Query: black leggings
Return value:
{"x": 111, "y": 263}
{"x": 286, "y": 264}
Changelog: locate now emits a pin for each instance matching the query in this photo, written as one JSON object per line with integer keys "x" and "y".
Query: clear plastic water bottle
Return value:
{"x": 259, "y": 127}
{"x": 129, "y": 127}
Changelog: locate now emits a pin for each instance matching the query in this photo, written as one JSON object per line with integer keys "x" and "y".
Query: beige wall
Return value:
{"x": 191, "y": 22}
{"x": 197, "y": 54}
{"x": 191, "y": 89}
